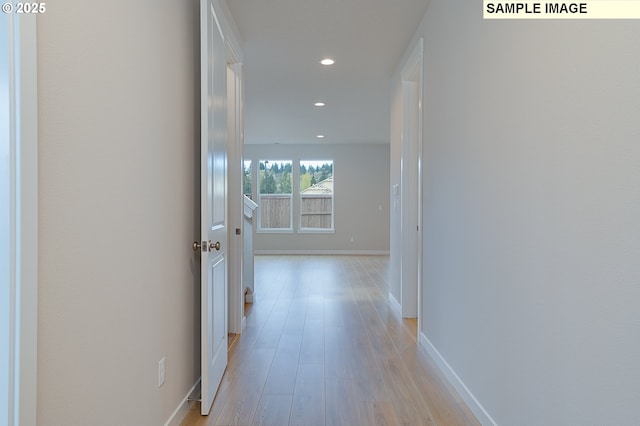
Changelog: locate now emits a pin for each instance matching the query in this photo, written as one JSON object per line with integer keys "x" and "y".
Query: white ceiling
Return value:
{"x": 283, "y": 42}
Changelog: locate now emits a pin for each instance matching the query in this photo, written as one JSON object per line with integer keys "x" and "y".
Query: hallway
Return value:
{"x": 321, "y": 347}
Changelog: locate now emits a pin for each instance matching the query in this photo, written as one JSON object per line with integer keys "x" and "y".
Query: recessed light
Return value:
{"x": 327, "y": 61}
{"x": 319, "y": 104}
{"x": 320, "y": 136}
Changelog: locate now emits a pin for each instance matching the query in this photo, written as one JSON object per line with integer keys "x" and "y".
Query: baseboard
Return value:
{"x": 323, "y": 252}
{"x": 395, "y": 305}
{"x": 185, "y": 405}
{"x": 474, "y": 405}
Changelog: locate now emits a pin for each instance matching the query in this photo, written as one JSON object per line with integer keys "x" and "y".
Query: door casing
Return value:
{"x": 411, "y": 186}
{"x": 236, "y": 202}
{"x": 22, "y": 347}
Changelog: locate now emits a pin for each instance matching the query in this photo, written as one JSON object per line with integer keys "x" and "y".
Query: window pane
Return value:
{"x": 246, "y": 190}
{"x": 275, "y": 177}
{"x": 275, "y": 185}
{"x": 316, "y": 194}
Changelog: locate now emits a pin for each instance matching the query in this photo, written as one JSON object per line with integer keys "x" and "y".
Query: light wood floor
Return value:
{"x": 322, "y": 347}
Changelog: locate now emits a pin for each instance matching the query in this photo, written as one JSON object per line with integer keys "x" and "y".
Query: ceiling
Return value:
{"x": 283, "y": 42}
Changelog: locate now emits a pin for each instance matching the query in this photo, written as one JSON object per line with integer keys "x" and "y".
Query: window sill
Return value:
{"x": 316, "y": 231}
{"x": 274, "y": 231}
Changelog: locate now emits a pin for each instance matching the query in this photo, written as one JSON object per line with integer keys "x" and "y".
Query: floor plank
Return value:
{"x": 309, "y": 397}
{"x": 322, "y": 347}
{"x": 273, "y": 410}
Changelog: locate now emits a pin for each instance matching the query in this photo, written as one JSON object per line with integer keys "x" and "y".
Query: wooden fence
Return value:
{"x": 275, "y": 211}
{"x": 316, "y": 211}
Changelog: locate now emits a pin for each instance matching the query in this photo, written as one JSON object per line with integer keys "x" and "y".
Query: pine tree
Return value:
{"x": 285, "y": 186}
{"x": 268, "y": 184}
{"x": 247, "y": 182}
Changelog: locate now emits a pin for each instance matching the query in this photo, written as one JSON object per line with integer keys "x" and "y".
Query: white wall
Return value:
{"x": 361, "y": 187}
{"x": 532, "y": 237}
{"x": 118, "y": 108}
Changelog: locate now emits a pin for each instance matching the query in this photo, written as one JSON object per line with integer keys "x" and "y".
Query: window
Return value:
{"x": 316, "y": 195}
{"x": 275, "y": 195}
{"x": 246, "y": 182}
{"x": 313, "y": 206}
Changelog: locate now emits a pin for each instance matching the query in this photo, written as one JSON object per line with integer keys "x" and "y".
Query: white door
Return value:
{"x": 213, "y": 244}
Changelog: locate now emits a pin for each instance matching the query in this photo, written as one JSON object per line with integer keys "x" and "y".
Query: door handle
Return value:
{"x": 214, "y": 246}
{"x": 197, "y": 245}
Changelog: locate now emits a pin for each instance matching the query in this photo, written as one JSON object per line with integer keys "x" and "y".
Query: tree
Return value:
{"x": 305, "y": 181}
{"x": 268, "y": 184}
{"x": 285, "y": 184}
{"x": 247, "y": 182}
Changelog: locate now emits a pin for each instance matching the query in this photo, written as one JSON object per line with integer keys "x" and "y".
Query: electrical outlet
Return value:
{"x": 161, "y": 371}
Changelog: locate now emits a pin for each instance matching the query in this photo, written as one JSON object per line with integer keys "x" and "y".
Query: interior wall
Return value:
{"x": 119, "y": 286}
{"x": 361, "y": 199}
{"x": 532, "y": 238}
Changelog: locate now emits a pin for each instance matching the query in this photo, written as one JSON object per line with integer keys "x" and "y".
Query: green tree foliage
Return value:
{"x": 285, "y": 183}
{"x": 305, "y": 181}
{"x": 268, "y": 184}
{"x": 275, "y": 177}
{"x": 247, "y": 182}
